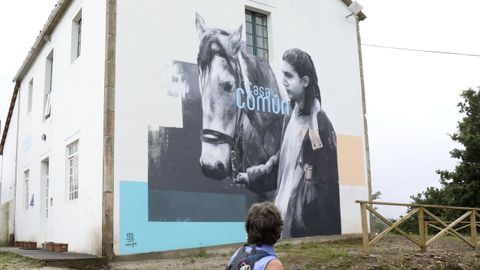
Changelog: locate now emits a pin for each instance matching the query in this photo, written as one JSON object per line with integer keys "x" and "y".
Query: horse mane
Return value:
{"x": 206, "y": 54}
{"x": 257, "y": 69}
{"x": 259, "y": 72}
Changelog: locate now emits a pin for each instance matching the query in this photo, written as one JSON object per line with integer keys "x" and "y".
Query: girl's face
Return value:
{"x": 294, "y": 84}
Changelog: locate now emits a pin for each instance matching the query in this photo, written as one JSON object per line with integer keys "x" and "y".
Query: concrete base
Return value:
{"x": 60, "y": 259}
{"x": 4, "y": 224}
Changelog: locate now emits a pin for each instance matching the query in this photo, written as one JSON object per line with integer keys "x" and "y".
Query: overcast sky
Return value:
{"x": 411, "y": 96}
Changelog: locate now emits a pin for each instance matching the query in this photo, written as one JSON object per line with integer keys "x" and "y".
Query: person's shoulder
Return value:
{"x": 322, "y": 116}
{"x": 274, "y": 264}
{"x": 323, "y": 119}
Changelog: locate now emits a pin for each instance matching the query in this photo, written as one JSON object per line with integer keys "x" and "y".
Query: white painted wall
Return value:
{"x": 77, "y": 114}
{"x": 150, "y": 35}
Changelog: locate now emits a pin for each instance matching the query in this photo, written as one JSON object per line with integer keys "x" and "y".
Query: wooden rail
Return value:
{"x": 421, "y": 210}
{"x": 434, "y": 224}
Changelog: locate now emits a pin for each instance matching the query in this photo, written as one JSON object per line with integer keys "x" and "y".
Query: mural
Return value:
{"x": 241, "y": 142}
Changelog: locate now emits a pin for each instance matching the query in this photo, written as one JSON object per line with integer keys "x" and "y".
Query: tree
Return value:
{"x": 460, "y": 187}
{"x": 463, "y": 184}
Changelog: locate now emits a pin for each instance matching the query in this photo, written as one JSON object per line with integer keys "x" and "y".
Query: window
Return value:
{"x": 77, "y": 36}
{"x": 30, "y": 94}
{"x": 26, "y": 179}
{"x": 47, "y": 104}
{"x": 72, "y": 170}
{"x": 45, "y": 167}
{"x": 257, "y": 35}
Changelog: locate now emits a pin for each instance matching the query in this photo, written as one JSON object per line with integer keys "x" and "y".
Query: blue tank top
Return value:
{"x": 262, "y": 263}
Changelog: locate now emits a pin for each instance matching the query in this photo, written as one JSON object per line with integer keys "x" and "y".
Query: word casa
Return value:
{"x": 260, "y": 99}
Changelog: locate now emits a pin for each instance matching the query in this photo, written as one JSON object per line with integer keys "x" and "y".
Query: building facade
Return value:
{"x": 133, "y": 124}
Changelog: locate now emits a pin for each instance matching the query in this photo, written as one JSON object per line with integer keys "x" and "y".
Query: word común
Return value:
{"x": 260, "y": 99}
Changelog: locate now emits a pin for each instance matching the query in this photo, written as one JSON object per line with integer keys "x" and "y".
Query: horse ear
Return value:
{"x": 201, "y": 26}
{"x": 236, "y": 36}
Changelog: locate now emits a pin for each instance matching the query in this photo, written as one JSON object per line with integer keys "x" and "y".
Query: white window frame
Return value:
{"x": 72, "y": 170}
{"x": 26, "y": 188}
{"x": 47, "y": 105}
{"x": 30, "y": 96}
{"x": 254, "y": 47}
{"x": 45, "y": 169}
{"x": 77, "y": 28}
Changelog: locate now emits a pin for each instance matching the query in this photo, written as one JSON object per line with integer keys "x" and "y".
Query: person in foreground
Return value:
{"x": 264, "y": 227}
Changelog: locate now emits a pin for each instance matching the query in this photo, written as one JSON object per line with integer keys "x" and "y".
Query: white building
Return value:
{"x": 95, "y": 142}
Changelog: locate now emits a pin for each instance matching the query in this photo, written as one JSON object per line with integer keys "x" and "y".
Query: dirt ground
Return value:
{"x": 392, "y": 252}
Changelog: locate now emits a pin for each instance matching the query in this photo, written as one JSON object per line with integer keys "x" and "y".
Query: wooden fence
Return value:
{"x": 422, "y": 212}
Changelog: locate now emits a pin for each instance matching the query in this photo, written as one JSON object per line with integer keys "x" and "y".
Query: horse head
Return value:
{"x": 219, "y": 77}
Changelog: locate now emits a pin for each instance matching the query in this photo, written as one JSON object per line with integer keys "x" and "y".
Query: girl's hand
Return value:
{"x": 241, "y": 180}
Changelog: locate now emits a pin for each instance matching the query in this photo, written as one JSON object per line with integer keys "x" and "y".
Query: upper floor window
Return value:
{"x": 77, "y": 35}
{"x": 30, "y": 95}
{"x": 257, "y": 34}
{"x": 48, "y": 86}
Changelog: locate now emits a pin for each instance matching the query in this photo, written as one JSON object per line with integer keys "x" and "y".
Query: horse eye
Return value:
{"x": 227, "y": 86}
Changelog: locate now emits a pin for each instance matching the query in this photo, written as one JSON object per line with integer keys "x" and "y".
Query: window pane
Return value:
{"x": 249, "y": 40}
{"x": 249, "y": 50}
{"x": 79, "y": 37}
{"x": 262, "y": 43}
{"x": 262, "y": 53}
{"x": 248, "y": 16}
{"x": 249, "y": 28}
{"x": 261, "y": 31}
{"x": 261, "y": 19}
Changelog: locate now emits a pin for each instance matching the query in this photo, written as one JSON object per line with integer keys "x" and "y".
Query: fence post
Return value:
{"x": 365, "y": 237}
{"x": 473, "y": 228}
{"x": 426, "y": 229}
{"x": 421, "y": 229}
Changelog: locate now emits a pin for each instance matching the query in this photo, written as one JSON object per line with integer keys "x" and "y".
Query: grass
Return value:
{"x": 306, "y": 256}
{"x": 13, "y": 261}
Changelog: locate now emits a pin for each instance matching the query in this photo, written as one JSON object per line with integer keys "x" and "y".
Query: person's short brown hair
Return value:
{"x": 263, "y": 224}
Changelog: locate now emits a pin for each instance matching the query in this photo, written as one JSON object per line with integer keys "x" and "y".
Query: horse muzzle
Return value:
{"x": 218, "y": 171}
{"x": 214, "y": 168}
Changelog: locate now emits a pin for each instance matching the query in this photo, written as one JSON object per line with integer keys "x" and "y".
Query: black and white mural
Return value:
{"x": 248, "y": 135}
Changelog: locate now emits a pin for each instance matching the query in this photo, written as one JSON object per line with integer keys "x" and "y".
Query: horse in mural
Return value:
{"x": 241, "y": 126}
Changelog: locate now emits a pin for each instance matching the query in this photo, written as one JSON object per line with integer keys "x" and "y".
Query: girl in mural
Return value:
{"x": 307, "y": 185}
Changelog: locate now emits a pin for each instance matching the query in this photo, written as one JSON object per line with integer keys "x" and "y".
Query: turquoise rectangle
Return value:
{"x": 138, "y": 235}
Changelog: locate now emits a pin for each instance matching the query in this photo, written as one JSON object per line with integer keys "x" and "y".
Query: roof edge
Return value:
{"x": 42, "y": 37}
{"x": 9, "y": 116}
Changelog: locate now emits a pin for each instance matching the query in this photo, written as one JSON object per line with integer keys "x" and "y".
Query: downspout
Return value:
{"x": 365, "y": 124}
{"x": 16, "y": 90}
{"x": 109, "y": 130}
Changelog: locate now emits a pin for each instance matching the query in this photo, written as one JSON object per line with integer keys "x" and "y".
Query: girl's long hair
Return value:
{"x": 303, "y": 65}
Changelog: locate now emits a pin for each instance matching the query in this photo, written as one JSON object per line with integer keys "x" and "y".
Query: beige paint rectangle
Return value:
{"x": 351, "y": 160}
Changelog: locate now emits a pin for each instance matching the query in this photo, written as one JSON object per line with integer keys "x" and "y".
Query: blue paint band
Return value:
{"x": 138, "y": 235}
